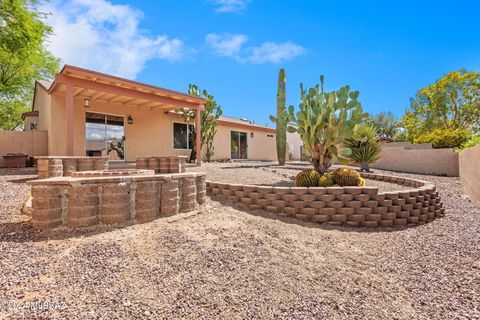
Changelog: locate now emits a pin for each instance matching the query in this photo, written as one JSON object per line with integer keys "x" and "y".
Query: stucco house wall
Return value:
{"x": 150, "y": 134}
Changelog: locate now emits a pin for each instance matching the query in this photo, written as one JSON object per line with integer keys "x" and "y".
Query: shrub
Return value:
{"x": 444, "y": 138}
{"x": 472, "y": 142}
{"x": 365, "y": 146}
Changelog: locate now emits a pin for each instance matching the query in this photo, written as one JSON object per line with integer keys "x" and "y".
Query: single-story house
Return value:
{"x": 90, "y": 113}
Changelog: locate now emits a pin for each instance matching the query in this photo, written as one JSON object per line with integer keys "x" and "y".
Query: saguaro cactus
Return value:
{"x": 281, "y": 119}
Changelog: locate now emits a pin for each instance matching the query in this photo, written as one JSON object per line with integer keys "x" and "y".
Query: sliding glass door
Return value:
{"x": 105, "y": 135}
{"x": 238, "y": 145}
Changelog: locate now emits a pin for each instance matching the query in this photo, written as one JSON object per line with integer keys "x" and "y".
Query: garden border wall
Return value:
{"x": 350, "y": 206}
{"x": 81, "y": 202}
{"x": 470, "y": 172}
{"x": 422, "y": 160}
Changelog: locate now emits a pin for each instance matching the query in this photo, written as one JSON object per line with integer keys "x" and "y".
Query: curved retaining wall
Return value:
{"x": 350, "y": 206}
{"x": 80, "y": 202}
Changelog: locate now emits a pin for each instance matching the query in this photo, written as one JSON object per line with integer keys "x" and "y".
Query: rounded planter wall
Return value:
{"x": 80, "y": 202}
{"x": 349, "y": 206}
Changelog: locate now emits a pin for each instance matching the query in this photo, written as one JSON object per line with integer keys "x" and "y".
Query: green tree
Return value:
{"x": 386, "y": 123}
{"x": 208, "y": 120}
{"x": 451, "y": 103}
{"x": 23, "y": 57}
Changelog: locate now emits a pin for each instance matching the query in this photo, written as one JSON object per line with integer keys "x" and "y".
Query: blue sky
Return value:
{"x": 234, "y": 48}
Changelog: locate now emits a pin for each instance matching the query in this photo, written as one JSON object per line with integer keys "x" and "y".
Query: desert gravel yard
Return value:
{"x": 229, "y": 263}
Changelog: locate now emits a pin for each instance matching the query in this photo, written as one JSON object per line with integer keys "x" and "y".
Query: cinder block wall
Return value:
{"x": 423, "y": 161}
{"x": 470, "y": 172}
{"x": 350, "y": 206}
{"x": 105, "y": 200}
{"x": 31, "y": 143}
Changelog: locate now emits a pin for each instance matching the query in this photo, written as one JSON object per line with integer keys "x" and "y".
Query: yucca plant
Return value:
{"x": 365, "y": 147}
{"x": 324, "y": 121}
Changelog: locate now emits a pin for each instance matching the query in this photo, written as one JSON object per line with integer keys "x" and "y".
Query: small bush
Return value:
{"x": 444, "y": 138}
{"x": 472, "y": 142}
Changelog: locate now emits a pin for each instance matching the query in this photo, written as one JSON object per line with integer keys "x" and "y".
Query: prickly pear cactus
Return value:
{"x": 324, "y": 121}
{"x": 347, "y": 177}
{"x": 307, "y": 178}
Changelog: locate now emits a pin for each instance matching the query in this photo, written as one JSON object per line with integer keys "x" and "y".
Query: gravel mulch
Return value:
{"x": 265, "y": 173}
{"x": 228, "y": 263}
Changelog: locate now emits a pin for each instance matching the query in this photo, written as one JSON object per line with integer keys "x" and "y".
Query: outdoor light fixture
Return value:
{"x": 86, "y": 103}
{"x": 251, "y": 134}
{"x": 130, "y": 119}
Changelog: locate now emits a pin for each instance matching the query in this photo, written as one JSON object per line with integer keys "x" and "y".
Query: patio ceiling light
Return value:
{"x": 86, "y": 103}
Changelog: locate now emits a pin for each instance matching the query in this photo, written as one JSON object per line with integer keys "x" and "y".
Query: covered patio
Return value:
{"x": 81, "y": 92}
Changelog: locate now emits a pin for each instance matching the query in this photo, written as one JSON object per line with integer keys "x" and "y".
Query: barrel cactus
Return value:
{"x": 307, "y": 178}
{"x": 347, "y": 177}
{"x": 326, "y": 180}
{"x": 324, "y": 121}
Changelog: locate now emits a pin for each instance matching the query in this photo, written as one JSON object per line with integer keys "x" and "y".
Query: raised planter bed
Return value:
{"x": 64, "y": 166}
{"x": 111, "y": 173}
{"x": 349, "y": 206}
{"x": 87, "y": 201}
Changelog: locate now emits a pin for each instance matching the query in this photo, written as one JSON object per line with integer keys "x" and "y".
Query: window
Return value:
{"x": 183, "y": 135}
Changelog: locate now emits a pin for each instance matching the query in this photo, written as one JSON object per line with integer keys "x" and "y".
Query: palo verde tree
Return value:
{"x": 324, "y": 121}
{"x": 282, "y": 118}
{"x": 452, "y": 103}
{"x": 23, "y": 57}
{"x": 208, "y": 120}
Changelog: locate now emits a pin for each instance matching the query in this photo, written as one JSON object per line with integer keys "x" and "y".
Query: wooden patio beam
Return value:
{"x": 60, "y": 78}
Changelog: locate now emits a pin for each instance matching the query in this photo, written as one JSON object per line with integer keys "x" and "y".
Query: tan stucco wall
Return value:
{"x": 259, "y": 147}
{"x": 424, "y": 161}
{"x": 31, "y": 143}
{"x": 470, "y": 172}
{"x": 294, "y": 143}
{"x": 151, "y": 133}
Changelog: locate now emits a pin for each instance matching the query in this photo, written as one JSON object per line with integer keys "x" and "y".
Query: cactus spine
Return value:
{"x": 307, "y": 178}
{"x": 281, "y": 118}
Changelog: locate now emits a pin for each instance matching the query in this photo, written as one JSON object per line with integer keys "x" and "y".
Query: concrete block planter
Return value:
{"x": 348, "y": 206}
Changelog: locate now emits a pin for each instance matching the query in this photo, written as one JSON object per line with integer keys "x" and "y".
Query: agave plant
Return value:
{"x": 365, "y": 146}
{"x": 324, "y": 121}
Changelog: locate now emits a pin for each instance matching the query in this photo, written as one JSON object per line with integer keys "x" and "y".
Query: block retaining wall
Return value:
{"x": 349, "y": 206}
{"x": 170, "y": 164}
{"x": 81, "y": 202}
{"x": 53, "y": 166}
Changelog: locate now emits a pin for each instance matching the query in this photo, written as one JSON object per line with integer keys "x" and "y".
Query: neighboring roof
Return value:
{"x": 29, "y": 114}
{"x": 244, "y": 122}
{"x": 45, "y": 84}
{"x": 113, "y": 85}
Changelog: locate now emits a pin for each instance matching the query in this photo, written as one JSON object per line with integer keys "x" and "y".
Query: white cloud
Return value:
{"x": 99, "y": 35}
{"x": 231, "y": 45}
{"x": 226, "y": 45}
{"x": 232, "y": 6}
{"x": 275, "y": 52}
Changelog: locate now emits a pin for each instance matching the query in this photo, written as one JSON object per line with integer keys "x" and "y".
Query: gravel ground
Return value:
{"x": 227, "y": 263}
{"x": 264, "y": 173}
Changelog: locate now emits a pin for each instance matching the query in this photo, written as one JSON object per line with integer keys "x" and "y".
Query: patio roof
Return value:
{"x": 110, "y": 89}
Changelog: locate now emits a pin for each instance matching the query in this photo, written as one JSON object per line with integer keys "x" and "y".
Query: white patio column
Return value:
{"x": 69, "y": 118}
{"x": 198, "y": 135}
